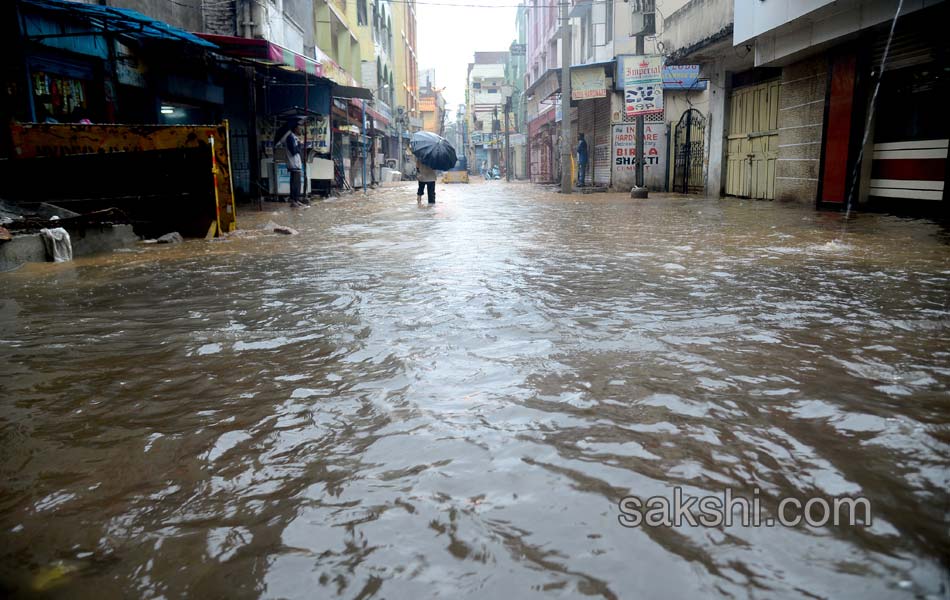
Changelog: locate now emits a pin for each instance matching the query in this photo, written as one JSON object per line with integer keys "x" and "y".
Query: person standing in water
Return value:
{"x": 426, "y": 177}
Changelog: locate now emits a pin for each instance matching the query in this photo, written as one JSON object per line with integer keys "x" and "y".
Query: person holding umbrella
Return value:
{"x": 433, "y": 153}
{"x": 426, "y": 177}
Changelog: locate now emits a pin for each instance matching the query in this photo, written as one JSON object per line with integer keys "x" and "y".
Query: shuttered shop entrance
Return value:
{"x": 593, "y": 120}
{"x": 911, "y": 129}
{"x": 753, "y": 141}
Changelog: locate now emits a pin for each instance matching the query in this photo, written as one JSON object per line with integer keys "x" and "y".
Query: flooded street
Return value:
{"x": 413, "y": 402}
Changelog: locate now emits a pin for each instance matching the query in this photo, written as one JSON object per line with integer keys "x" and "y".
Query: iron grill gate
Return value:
{"x": 690, "y": 135}
{"x": 240, "y": 163}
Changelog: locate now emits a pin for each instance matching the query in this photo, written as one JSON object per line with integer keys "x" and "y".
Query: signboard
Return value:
{"x": 682, "y": 77}
{"x": 625, "y": 147}
{"x": 333, "y": 71}
{"x": 548, "y": 85}
{"x": 588, "y": 83}
{"x": 517, "y": 49}
{"x": 642, "y": 85}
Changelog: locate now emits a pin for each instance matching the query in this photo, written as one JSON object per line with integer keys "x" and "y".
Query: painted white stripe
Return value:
{"x": 915, "y": 194}
{"x": 905, "y": 154}
{"x": 907, "y": 184}
{"x": 800, "y": 144}
{"x": 800, "y": 178}
{"x": 799, "y": 126}
{"x": 802, "y": 104}
{"x": 923, "y": 144}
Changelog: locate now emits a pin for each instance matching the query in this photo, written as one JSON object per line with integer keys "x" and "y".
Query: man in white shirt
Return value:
{"x": 294, "y": 149}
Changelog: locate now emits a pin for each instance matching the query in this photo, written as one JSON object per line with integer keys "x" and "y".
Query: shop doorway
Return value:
{"x": 753, "y": 141}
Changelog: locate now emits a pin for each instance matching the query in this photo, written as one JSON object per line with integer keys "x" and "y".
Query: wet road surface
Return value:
{"x": 406, "y": 402}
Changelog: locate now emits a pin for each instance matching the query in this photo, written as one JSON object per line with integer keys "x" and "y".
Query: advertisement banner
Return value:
{"x": 588, "y": 83}
{"x": 643, "y": 85}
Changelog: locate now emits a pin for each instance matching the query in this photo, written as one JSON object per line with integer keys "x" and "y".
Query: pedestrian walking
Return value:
{"x": 426, "y": 177}
{"x": 581, "y": 159}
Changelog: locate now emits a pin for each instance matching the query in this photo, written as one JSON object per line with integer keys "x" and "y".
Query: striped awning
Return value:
{"x": 264, "y": 52}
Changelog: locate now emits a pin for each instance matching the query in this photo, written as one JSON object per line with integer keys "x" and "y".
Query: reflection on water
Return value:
{"x": 407, "y": 402}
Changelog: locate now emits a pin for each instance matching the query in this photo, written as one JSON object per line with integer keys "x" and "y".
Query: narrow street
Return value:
{"x": 414, "y": 401}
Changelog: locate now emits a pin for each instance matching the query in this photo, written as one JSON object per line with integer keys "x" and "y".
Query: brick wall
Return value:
{"x": 800, "y": 125}
{"x": 219, "y": 17}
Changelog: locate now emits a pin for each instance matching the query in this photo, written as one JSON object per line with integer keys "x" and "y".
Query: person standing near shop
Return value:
{"x": 426, "y": 177}
{"x": 294, "y": 150}
{"x": 581, "y": 159}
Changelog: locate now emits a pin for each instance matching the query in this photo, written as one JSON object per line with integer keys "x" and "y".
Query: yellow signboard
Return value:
{"x": 49, "y": 140}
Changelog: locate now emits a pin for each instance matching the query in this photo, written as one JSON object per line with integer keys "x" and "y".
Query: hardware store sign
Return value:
{"x": 588, "y": 83}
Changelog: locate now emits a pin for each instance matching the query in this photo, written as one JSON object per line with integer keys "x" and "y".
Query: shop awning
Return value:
{"x": 371, "y": 113}
{"x": 349, "y": 91}
{"x": 263, "y": 52}
{"x": 117, "y": 21}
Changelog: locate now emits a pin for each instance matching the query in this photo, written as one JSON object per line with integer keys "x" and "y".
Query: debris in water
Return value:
{"x": 170, "y": 238}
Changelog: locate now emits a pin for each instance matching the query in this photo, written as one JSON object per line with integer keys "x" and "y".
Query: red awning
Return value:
{"x": 263, "y": 52}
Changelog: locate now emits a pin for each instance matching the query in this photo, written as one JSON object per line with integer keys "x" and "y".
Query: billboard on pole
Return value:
{"x": 642, "y": 85}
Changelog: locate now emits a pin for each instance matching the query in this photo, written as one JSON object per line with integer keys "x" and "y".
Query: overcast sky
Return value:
{"x": 448, "y": 36}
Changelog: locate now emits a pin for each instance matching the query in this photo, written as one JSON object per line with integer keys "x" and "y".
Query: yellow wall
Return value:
{"x": 336, "y": 34}
{"x": 405, "y": 65}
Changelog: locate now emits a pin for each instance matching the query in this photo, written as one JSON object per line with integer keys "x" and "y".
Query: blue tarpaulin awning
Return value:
{"x": 109, "y": 19}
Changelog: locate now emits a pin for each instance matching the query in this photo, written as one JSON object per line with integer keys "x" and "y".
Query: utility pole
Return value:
{"x": 399, "y": 112}
{"x": 363, "y": 139}
{"x": 640, "y": 131}
{"x": 507, "y": 141}
{"x": 566, "y": 183}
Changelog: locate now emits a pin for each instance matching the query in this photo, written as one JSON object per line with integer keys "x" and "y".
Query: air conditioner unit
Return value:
{"x": 643, "y": 17}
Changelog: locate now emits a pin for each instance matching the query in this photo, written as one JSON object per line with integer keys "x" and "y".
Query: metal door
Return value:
{"x": 753, "y": 141}
{"x": 690, "y": 136}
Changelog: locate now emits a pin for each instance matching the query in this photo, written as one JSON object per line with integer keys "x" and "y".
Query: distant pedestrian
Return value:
{"x": 426, "y": 177}
{"x": 581, "y": 159}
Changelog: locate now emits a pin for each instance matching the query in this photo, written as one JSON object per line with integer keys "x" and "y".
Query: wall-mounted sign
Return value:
{"x": 682, "y": 77}
{"x": 642, "y": 84}
{"x": 588, "y": 83}
{"x": 517, "y": 49}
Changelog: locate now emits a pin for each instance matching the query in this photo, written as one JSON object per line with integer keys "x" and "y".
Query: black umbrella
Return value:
{"x": 433, "y": 151}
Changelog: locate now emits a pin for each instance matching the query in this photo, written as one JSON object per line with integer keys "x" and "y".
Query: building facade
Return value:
{"x": 802, "y": 106}
{"x": 485, "y": 107}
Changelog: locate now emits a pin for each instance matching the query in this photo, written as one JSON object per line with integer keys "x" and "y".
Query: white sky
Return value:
{"x": 448, "y": 36}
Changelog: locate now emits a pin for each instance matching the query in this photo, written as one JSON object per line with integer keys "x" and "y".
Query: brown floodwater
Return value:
{"x": 409, "y": 402}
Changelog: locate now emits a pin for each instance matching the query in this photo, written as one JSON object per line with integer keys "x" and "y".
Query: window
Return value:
{"x": 361, "y": 12}
{"x": 610, "y": 22}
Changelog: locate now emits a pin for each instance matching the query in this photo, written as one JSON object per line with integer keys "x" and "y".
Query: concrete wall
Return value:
{"x": 220, "y": 18}
{"x": 755, "y": 17}
{"x": 696, "y": 23}
{"x": 800, "y": 125}
{"x": 91, "y": 240}
{"x": 796, "y": 37}
{"x": 720, "y": 84}
{"x": 184, "y": 15}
